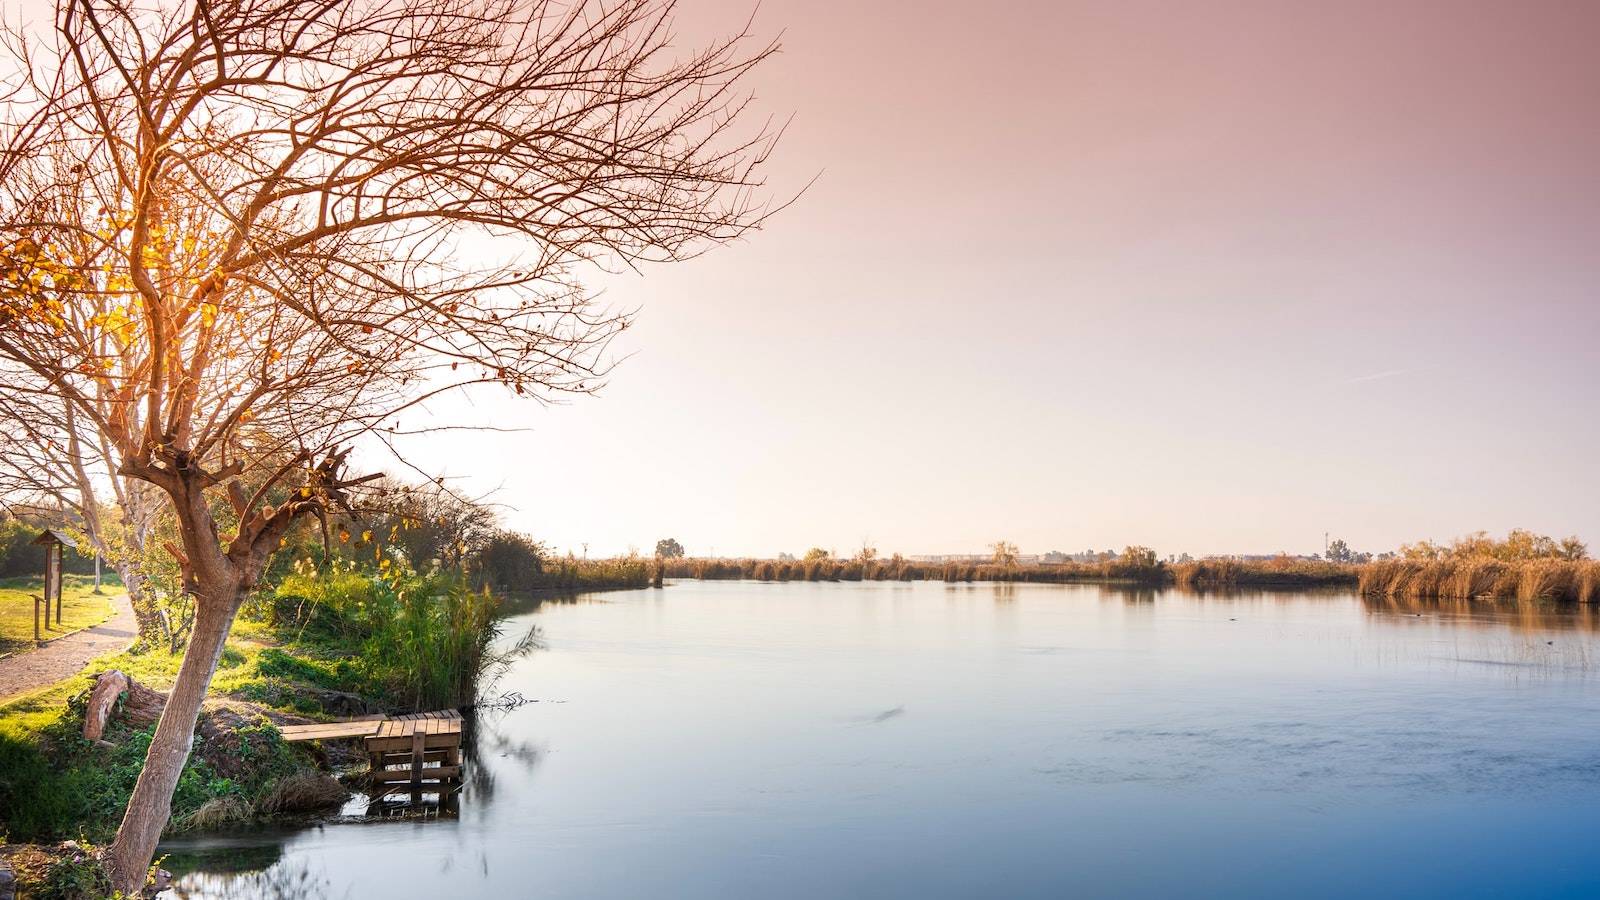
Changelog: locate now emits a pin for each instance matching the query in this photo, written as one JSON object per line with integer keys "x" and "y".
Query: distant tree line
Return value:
{"x": 20, "y": 557}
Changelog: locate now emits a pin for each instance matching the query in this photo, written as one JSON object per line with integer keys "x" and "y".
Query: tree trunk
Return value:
{"x": 151, "y": 804}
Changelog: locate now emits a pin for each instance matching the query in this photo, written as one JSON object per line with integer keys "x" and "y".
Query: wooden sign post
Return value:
{"x": 53, "y": 542}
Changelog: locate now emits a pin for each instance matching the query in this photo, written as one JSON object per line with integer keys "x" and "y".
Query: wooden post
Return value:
{"x": 37, "y": 637}
{"x": 56, "y": 552}
{"x": 97, "y": 573}
{"x": 418, "y": 738}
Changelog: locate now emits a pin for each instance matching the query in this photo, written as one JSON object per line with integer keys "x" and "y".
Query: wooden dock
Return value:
{"x": 417, "y": 753}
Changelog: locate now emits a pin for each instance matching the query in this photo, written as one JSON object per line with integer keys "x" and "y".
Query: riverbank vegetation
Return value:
{"x": 1279, "y": 572}
{"x": 1134, "y": 565}
{"x": 55, "y": 784}
{"x": 1464, "y": 578}
{"x": 336, "y": 643}
{"x": 1523, "y": 565}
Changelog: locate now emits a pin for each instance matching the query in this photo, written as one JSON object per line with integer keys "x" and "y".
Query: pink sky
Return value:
{"x": 1211, "y": 277}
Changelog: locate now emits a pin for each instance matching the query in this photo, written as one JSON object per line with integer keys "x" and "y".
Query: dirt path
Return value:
{"x": 64, "y": 657}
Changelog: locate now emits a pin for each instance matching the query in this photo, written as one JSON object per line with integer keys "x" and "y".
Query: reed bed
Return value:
{"x": 1281, "y": 572}
{"x": 1118, "y": 570}
{"x": 1454, "y": 578}
{"x": 1482, "y": 576}
{"x": 589, "y": 574}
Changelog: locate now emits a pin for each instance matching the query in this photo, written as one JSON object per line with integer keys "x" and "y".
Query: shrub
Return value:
{"x": 76, "y": 875}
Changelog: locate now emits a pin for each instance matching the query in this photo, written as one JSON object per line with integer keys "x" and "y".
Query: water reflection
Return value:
{"x": 1519, "y": 615}
{"x": 485, "y": 748}
{"x": 293, "y": 880}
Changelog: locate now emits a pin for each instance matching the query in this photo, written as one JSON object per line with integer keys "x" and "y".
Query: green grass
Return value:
{"x": 417, "y": 642}
{"x": 55, "y": 785}
{"x": 80, "y": 608}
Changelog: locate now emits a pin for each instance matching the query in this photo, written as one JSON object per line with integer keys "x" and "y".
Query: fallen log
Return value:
{"x": 141, "y": 707}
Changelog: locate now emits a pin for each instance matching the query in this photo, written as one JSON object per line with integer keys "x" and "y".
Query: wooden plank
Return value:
{"x": 432, "y": 773}
{"x": 430, "y": 742}
{"x": 401, "y": 757}
{"x": 327, "y": 730}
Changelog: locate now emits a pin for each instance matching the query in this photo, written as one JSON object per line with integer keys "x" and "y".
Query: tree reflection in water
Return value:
{"x": 281, "y": 879}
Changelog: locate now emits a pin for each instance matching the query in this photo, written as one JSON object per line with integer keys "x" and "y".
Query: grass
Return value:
{"x": 418, "y": 642}
{"x": 592, "y": 574}
{"x": 56, "y": 785}
{"x": 1448, "y": 578}
{"x": 1283, "y": 572}
{"x": 1483, "y": 576}
{"x": 904, "y": 570}
{"x": 81, "y": 608}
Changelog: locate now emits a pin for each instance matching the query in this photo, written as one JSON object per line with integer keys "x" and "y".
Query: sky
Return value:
{"x": 1212, "y": 277}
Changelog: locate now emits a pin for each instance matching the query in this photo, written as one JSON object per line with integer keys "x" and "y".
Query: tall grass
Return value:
{"x": 1221, "y": 573}
{"x": 895, "y": 569}
{"x": 418, "y": 642}
{"x": 591, "y": 574}
{"x": 1483, "y": 576}
{"x": 1283, "y": 571}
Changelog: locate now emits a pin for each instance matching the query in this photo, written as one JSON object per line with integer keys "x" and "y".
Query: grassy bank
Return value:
{"x": 321, "y": 645}
{"x": 1202, "y": 574}
{"x": 81, "y": 608}
{"x": 1483, "y": 576}
{"x": 55, "y": 785}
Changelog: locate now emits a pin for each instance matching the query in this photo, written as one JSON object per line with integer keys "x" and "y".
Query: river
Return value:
{"x": 887, "y": 740}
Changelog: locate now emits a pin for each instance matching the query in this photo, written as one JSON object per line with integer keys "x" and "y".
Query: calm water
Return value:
{"x": 887, "y": 740}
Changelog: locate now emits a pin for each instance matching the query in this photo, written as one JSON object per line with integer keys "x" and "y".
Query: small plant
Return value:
{"x": 76, "y": 875}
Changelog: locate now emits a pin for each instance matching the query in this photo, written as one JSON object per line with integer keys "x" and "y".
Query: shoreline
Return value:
{"x": 1560, "y": 580}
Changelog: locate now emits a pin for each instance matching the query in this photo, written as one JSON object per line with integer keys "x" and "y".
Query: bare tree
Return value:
{"x": 237, "y": 235}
